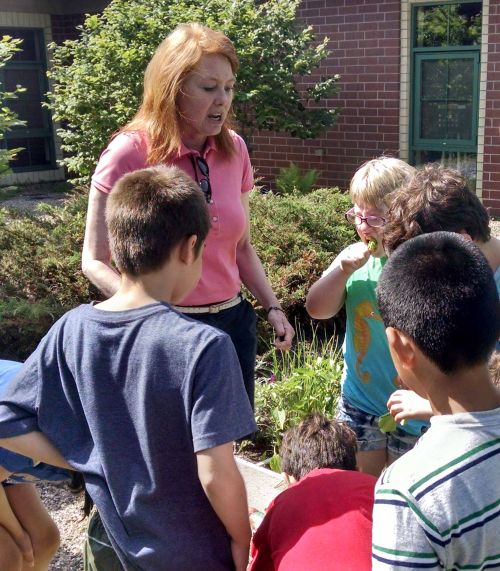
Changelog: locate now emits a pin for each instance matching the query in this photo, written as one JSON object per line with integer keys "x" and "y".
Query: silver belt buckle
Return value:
{"x": 214, "y": 308}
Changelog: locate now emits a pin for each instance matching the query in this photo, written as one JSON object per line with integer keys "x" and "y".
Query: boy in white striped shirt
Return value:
{"x": 438, "y": 506}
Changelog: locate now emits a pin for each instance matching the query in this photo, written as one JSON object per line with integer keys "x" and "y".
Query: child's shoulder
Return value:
{"x": 159, "y": 318}
{"x": 195, "y": 330}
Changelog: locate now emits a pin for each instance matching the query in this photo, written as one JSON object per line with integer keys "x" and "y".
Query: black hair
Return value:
{"x": 438, "y": 289}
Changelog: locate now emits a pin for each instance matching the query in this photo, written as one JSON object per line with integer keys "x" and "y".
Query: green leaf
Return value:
{"x": 386, "y": 423}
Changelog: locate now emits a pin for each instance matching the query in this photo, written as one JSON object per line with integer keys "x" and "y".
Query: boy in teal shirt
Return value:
{"x": 369, "y": 376}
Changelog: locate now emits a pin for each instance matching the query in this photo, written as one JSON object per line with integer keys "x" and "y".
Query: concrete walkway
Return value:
{"x": 262, "y": 484}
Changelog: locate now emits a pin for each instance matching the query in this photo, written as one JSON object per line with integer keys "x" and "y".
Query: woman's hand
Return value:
{"x": 283, "y": 330}
{"x": 407, "y": 404}
{"x": 253, "y": 276}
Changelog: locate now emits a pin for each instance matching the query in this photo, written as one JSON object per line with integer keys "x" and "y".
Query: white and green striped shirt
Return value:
{"x": 438, "y": 506}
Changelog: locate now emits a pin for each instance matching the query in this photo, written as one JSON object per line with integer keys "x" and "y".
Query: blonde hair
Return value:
{"x": 173, "y": 60}
{"x": 494, "y": 367}
{"x": 376, "y": 179}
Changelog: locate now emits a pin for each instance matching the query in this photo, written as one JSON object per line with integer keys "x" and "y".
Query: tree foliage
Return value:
{"x": 98, "y": 77}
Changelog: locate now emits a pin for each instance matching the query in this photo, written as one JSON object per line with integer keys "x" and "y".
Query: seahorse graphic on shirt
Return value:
{"x": 362, "y": 335}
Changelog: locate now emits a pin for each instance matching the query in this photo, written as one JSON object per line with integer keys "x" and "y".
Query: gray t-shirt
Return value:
{"x": 128, "y": 398}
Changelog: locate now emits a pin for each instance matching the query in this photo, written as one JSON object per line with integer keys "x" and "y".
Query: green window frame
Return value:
{"x": 36, "y": 140}
{"x": 446, "y": 103}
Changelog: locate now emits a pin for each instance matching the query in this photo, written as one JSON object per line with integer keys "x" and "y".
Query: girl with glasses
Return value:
{"x": 185, "y": 120}
{"x": 369, "y": 374}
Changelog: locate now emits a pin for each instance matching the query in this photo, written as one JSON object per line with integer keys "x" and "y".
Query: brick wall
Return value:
{"x": 64, "y": 26}
{"x": 365, "y": 44}
{"x": 491, "y": 165}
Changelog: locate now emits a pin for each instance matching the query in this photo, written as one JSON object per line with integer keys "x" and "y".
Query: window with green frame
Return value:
{"x": 445, "y": 84}
{"x": 28, "y": 68}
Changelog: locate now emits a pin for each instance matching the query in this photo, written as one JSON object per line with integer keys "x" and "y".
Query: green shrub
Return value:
{"x": 41, "y": 272}
{"x": 291, "y": 179}
{"x": 295, "y": 236}
{"x": 98, "y": 77}
{"x": 295, "y": 384}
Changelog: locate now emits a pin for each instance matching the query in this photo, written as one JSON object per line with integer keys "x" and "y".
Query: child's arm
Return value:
{"x": 35, "y": 445}
{"x": 407, "y": 404}
{"x": 225, "y": 490}
{"x": 326, "y": 297}
{"x": 9, "y": 521}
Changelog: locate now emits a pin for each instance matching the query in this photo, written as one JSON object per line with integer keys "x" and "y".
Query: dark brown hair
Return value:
{"x": 149, "y": 212}
{"x": 317, "y": 442}
{"x": 435, "y": 198}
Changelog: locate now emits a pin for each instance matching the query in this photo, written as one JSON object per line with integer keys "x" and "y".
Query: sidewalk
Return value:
{"x": 262, "y": 484}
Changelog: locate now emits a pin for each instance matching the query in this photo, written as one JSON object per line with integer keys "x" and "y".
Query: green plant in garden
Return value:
{"x": 41, "y": 272}
{"x": 296, "y": 237}
{"x": 98, "y": 77}
{"x": 8, "y": 119}
{"x": 291, "y": 179}
{"x": 292, "y": 385}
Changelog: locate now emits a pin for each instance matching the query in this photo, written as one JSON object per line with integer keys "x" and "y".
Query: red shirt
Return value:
{"x": 322, "y": 523}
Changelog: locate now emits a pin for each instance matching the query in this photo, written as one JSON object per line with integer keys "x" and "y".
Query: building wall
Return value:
{"x": 53, "y": 6}
{"x": 491, "y": 160}
{"x": 40, "y": 21}
{"x": 58, "y": 20}
{"x": 64, "y": 26}
{"x": 365, "y": 51}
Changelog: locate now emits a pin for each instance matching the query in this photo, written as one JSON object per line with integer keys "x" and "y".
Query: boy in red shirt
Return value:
{"x": 323, "y": 521}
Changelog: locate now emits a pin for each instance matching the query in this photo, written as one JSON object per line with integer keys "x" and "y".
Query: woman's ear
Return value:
{"x": 466, "y": 235}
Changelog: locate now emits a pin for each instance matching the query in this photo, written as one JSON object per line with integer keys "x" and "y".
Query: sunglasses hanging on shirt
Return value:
{"x": 200, "y": 164}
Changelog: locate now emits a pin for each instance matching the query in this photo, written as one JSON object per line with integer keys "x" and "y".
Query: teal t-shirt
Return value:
{"x": 369, "y": 375}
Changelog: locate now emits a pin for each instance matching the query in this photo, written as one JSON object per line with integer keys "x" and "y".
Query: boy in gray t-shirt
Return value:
{"x": 143, "y": 400}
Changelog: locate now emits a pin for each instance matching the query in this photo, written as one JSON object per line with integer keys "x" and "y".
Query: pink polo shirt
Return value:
{"x": 229, "y": 177}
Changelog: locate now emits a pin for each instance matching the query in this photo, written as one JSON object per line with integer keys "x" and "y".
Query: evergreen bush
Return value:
{"x": 41, "y": 272}
{"x": 295, "y": 236}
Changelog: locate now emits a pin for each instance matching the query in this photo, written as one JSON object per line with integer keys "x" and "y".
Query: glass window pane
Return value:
{"x": 28, "y": 104}
{"x": 461, "y": 78}
{"x": 35, "y": 153}
{"x": 434, "y": 121}
{"x": 434, "y": 79}
{"x": 465, "y": 163}
{"x": 446, "y": 121}
{"x": 30, "y": 48}
{"x": 447, "y": 98}
{"x": 459, "y": 118}
{"x": 448, "y": 25}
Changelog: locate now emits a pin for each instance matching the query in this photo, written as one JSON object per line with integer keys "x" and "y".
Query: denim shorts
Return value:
{"x": 369, "y": 435}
